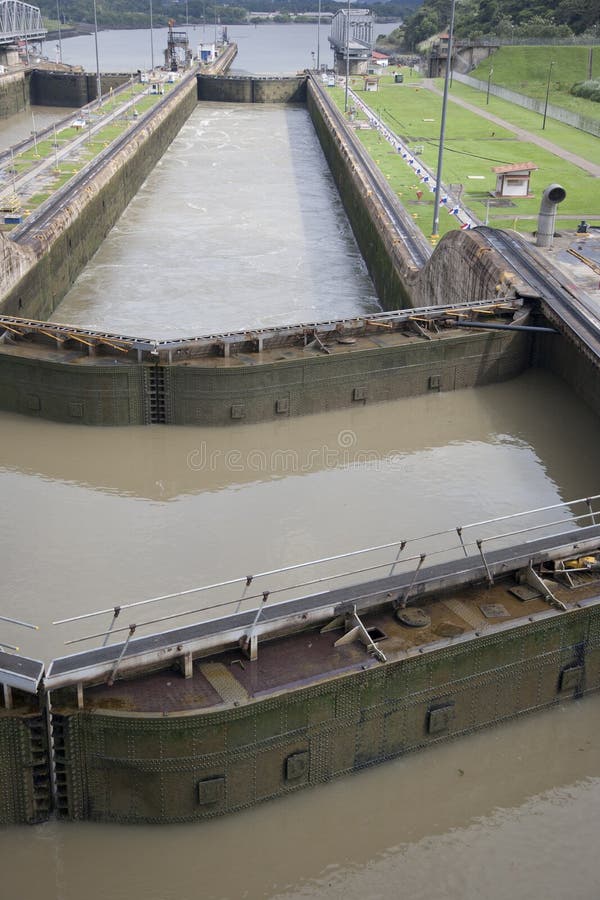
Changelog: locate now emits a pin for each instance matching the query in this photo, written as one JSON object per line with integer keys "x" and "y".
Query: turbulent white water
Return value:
{"x": 239, "y": 226}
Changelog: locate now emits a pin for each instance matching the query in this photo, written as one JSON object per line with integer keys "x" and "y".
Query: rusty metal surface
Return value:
{"x": 237, "y": 349}
{"x": 306, "y": 658}
{"x": 168, "y": 644}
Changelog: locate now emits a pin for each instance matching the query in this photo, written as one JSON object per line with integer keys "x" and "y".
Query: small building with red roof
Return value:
{"x": 513, "y": 180}
{"x": 380, "y": 59}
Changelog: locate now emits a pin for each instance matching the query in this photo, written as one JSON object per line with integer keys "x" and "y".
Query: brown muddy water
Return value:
{"x": 96, "y": 517}
{"x": 509, "y": 813}
{"x": 22, "y": 124}
{"x": 93, "y": 517}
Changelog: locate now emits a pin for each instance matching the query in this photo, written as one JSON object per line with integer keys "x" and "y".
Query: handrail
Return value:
{"x": 4, "y": 645}
{"x": 453, "y": 549}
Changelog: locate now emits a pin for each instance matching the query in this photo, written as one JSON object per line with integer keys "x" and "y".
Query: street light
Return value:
{"x": 55, "y": 147}
{"x": 59, "y": 34}
{"x": 347, "y": 57}
{"x": 319, "y": 38}
{"x": 438, "y": 181}
{"x": 98, "y": 81}
{"x": 151, "y": 40}
{"x": 547, "y": 93}
{"x": 35, "y": 150}
{"x": 487, "y": 96}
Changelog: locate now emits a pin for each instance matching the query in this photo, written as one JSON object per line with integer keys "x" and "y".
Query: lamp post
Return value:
{"x": 151, "y": 39}
{"x": 547, "y": 93}
{"x": 319, "y": 38}
{"x": 487, "y": 96}
{"x": 59, "y": 34}
{"x": 98, "y": 81}
{"x": 347, "y": 57}
{"x": 438, "y": 180}
{"x": 35, "y": 150}
{"x": 55, "y": 147}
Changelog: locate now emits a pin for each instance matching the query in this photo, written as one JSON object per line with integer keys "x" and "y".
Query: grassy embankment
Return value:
{"x": 527, "y": 69}
{"x": 473, "y": 145}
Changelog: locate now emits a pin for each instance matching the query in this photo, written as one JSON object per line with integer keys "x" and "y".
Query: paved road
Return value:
{"x": 521, "y": 133}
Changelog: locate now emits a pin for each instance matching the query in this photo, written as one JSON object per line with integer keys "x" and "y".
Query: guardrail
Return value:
{"x": 449, "y": 546}
{"x": 226, "y": 343}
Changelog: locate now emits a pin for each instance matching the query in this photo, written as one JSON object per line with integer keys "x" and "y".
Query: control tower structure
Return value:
{"x": 351, "y": 32}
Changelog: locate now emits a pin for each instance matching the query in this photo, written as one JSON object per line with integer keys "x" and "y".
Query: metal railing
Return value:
{"x": 17, "y": 327}
{"x": 8, "y": 620}
{"x": 240, "y": 594}
{"x": 20, "y": 21}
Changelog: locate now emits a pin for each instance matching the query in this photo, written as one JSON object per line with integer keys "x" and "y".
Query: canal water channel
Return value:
{"x": 239, "y": 226}
{"x": 96, "y": 517}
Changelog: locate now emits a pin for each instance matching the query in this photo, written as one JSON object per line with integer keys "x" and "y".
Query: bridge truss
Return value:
{"x": 20, "y": 22}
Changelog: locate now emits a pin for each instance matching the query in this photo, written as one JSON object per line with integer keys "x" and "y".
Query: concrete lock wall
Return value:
{"x": 76, "y": 89}
{"x": 114, "y": 393}
{"x": 44, "y": 87}
{"x": 462, "y": 267}
{"x": 388, "y": 264}
{"x": 251, "y": 89}
{"x": 171, "y": 767}
{"x": 14, "y": 94}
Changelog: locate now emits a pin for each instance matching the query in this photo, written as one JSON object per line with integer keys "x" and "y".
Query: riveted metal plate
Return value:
{"x": 75, "y": 409}
{"x": 494, "y": 611}
{"x": 296, "y": 766}
{"x": 570, "y": 678}
{"x": 439, "y": 718}
{"x": 211, "y": 790}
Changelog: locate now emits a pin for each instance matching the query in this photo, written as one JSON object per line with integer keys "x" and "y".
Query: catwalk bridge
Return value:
{"x": 20, "y": 22}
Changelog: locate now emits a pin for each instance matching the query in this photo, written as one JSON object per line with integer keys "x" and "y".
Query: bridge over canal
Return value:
{"x": 20, "y": 22}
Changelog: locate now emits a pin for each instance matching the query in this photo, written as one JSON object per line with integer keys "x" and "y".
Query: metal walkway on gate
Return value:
{"x": 20, "y": 22}
{"x": 358, "y": 580}
{"x": 14, "y": 329}
{"x": 469, "y": 553}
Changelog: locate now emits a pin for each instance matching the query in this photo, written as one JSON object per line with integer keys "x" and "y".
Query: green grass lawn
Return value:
{"x": 473, "y": 145}
{"x": 585, "y": 145}
{"x": 527, "y": 69}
